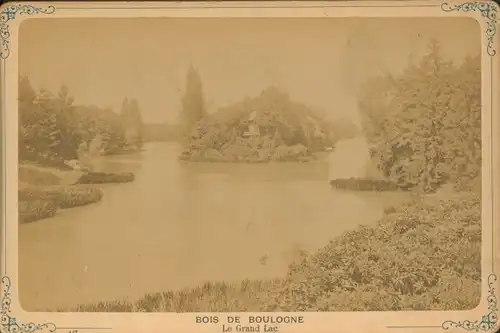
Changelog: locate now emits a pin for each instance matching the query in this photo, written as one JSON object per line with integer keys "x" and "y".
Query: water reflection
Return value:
{"x": 182, "y": 224}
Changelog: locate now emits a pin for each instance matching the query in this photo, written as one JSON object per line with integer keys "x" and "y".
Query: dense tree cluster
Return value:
{"x": 267, "y": 127}
{"x": 425, "y": 123}
{"x": 53, "y": 129}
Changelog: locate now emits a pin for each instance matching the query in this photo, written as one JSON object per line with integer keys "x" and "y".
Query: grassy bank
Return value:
{"x": 43, "y": 191}
{"x": 247, "y": 295}
{"x": 420, "y": 256}
{"x": 30, "y": 174}
{"x": 39, "y": 203}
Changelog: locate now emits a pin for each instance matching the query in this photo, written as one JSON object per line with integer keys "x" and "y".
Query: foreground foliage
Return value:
{"x": 424, "y": 255}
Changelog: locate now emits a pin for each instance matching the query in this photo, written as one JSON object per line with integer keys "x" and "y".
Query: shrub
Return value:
{"x": 34, "y": 210}
{"x": 103, "y": 177}
{"x": 77, "y": 196}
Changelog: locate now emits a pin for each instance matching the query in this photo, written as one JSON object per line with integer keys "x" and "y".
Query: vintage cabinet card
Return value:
{"x": 292, "y": 167}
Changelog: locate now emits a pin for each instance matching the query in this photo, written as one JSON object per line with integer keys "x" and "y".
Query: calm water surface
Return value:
{"x": 181, "y": 224}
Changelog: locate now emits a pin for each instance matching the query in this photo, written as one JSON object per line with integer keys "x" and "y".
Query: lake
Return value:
{"x": 180, "y": 224}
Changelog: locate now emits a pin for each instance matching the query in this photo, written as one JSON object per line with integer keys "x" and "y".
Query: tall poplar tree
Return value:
{"x": 193, "y": 103}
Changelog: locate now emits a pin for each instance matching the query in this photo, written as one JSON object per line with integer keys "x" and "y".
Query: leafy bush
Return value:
{"x": 105, "y": 177}
{"x": 79, "y": 196}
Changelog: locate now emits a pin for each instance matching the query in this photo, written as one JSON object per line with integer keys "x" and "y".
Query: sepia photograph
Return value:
{"x": 250, "y": 164}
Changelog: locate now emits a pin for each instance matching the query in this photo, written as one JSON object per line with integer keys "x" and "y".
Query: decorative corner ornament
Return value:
{"x": 8, "y": 323}
{"x": 9, "y": 14}
{"x": 489, "y": 321}
{"x": 488, "y": 10}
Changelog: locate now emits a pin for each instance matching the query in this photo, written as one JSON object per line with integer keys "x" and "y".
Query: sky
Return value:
{"x": 318, "y": 61}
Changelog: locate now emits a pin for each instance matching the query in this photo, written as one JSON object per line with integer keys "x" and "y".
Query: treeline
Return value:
{"x": 425, "y": 123}
{"x": 53, "y": 129}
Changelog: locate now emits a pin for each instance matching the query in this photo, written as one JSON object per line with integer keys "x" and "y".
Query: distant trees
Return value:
{"x": 425, "y": 124}
{"x": 53, "y": 129}
{"x": 132, "y": 122}
{"x": 193, "y": 102}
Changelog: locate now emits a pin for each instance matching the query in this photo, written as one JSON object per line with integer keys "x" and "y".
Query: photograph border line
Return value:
{"x": 487, "y": 9}
{"x": 492, "y": 174}
{"x": 4, "y": 169}
{"x": 246, "y": 5}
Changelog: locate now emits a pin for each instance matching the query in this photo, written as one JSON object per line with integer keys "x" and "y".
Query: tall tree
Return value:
{"x": 28, "y": 117}
{"x": 136, "y": 121}
{"x": 65, "y": 119}
{"x": 124, "y": 112}
{"x": 53, "y": 121}
{"x": 132, "y": 121}
{"x": 125, "y": 116}
{"x": 193, "y": 103}
{"x": 26, "y": 91}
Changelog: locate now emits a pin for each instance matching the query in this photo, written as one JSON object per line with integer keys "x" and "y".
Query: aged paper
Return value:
{"x": 249, "y": 167}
